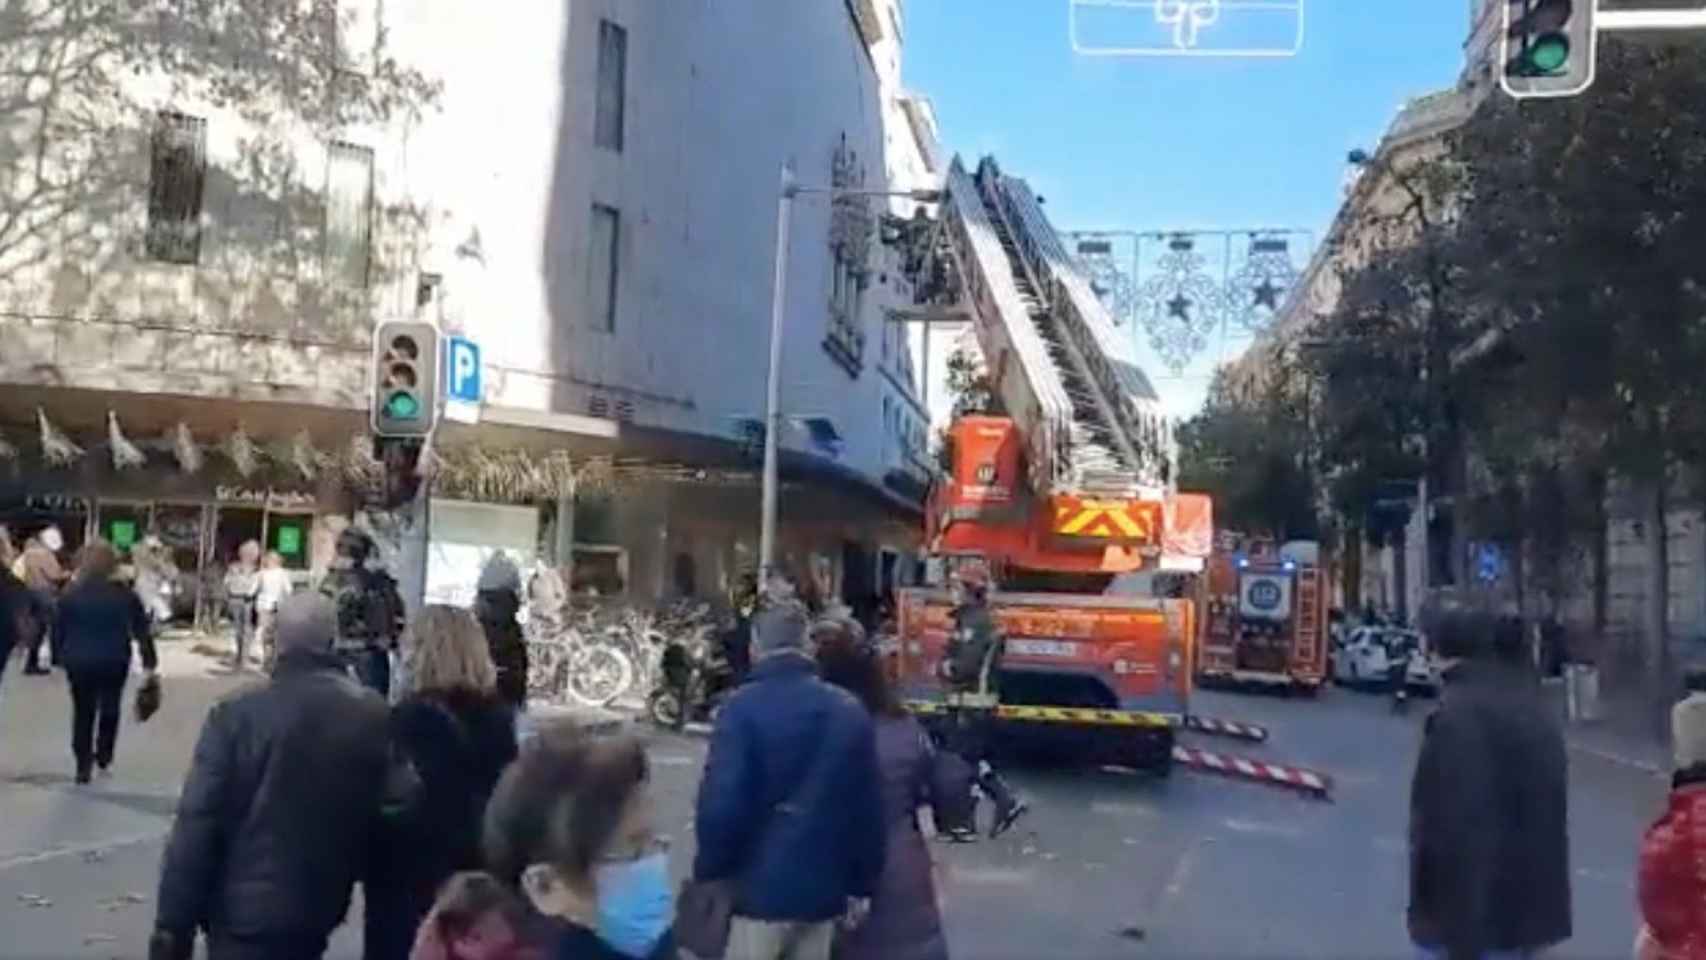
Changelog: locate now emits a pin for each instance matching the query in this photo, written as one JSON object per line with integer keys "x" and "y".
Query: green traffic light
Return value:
{"x": 402, "y": 406}
{"x": 1550, "y": 53}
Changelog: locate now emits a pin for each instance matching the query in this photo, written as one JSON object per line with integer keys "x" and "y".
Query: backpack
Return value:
{"x": 365, "y": 611}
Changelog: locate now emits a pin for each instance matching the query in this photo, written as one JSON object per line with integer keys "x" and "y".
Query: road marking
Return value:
{"x": 673, "y": 760}
{"x": 1265, "y": 829}
{"x": 1391, "y": 845}
{"x": 990, "y": 875}
{"x": 27, "y": 859}
{"x": 1182, "y": 869}
{"x": 1610, "y": 757}
{"x": 1116, "y": 809}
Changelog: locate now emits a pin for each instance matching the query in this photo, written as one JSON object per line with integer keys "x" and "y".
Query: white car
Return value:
{"x": 1368, "y": 655}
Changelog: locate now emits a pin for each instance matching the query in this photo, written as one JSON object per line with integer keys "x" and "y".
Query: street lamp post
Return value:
{"x": 773, "y": 377}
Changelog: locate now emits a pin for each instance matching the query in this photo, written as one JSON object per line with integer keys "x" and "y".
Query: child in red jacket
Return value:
{"x": 1672, "y": 886}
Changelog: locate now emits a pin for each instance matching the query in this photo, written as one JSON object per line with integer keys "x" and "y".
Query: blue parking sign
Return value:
{"x": 462, "y": 382}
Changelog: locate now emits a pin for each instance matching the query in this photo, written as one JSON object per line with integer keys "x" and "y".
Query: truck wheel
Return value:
{"x": 1156, "y": 753}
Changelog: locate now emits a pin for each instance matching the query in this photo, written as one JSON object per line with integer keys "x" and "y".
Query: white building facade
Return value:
{"x": 588, "y": 191}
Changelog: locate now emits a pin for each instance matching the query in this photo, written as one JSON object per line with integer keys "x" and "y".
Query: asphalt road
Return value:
{"x": 1108, "y": 865}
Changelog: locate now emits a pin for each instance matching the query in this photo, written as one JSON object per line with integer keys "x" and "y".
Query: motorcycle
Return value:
{"x": 693, "y": 679}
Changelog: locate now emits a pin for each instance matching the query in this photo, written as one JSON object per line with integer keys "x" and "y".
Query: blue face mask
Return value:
{"x": 635, "y": 903}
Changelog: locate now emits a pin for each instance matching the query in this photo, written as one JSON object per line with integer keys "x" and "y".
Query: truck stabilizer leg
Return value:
{"x": 1214, "y": 726}
{"x": 1256, "y": 771}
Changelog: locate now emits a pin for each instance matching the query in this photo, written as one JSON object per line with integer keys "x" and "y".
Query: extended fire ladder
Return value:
{"x": 1091, "y": 420}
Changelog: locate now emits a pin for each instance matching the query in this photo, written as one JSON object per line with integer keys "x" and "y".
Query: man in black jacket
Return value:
{"x": 279, "y": 808}
{"x": 1489, "y": 840}
{"x": 370, "y": 610}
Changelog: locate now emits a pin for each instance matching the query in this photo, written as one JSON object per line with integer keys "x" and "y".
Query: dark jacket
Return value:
{"x": 1489, "y": 849}
{"x": 496, "y": 610}
{"x": 790, "y": 804}
{"x": 370, "y": 609}
{"x": 459, "y": 741}
{"x": 904, "y": 923}
{"x": 98, "y": 621}
{"x": 975, "y": 639}
{"x": 279, "y": 810}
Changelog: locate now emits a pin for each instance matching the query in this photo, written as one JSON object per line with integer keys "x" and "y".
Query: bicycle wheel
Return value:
{"x": 599, "y": 674}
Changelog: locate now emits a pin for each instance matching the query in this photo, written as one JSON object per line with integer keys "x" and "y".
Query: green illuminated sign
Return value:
{"x": 289, "y": 540}
{"x": 123, "y": 533}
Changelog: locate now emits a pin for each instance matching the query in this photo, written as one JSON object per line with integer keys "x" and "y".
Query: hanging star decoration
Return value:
{"x": 1111, "y": 283}
{"x": 126, "y": 456}
{"x": 56, "y": 448}
{"x": 1179, "y": 304}
{"x": 184, "y": 448}
{"x": 1259, "y": 286}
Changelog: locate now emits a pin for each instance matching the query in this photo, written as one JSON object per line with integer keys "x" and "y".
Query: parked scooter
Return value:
{"x": 693, "y": 679}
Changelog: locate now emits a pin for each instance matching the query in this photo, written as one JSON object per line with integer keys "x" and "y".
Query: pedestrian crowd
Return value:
{"x": 466, "y": 846}
{"x": 813, "y": 810}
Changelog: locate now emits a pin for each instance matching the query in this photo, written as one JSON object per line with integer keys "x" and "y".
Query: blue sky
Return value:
{"x": 1143, "y": 143}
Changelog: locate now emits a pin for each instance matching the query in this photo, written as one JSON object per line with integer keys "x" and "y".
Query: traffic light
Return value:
{"x": 1549, "y": 47}
{"x": 405, "y": 378}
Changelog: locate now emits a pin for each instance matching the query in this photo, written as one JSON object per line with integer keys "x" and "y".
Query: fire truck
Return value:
{"x": 1264, "y": 621}
{"x": 1056, "y": 498}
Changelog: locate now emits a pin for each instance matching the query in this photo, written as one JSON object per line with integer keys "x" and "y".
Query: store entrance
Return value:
{"x": 179, "y": 527}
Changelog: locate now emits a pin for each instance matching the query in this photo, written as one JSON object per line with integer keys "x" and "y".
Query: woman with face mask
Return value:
{"x": 570, "y": 830}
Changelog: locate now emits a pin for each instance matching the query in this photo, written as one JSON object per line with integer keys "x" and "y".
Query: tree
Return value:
{"x": 969, "y": 386}
{"x": 1247, "y": 449}
{"x": 1588, "y": 215}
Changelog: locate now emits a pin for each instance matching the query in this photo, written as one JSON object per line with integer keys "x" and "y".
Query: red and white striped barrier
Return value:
{"x": 1256, "y": 771}
{"x": 1227, "y": 728}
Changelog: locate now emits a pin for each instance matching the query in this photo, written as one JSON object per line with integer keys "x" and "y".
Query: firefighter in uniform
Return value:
{"x": 971, "y": 667}
{"x": 369, "y": 609}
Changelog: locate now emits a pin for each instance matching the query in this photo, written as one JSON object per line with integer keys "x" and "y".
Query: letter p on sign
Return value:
{"x": 464, "y": 390}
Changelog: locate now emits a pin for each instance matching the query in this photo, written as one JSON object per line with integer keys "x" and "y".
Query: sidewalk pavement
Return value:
{"x": 1625, "y": 732}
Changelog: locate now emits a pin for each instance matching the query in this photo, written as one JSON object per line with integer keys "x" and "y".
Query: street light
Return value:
{"x": 773, "y": 379}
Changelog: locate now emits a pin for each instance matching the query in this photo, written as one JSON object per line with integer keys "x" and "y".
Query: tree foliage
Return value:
{"x": 1547, "y": 332}
{"x": 1248, "y": 449}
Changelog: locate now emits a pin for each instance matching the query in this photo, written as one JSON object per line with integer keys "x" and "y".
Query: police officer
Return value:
{"x": 370, "y": 610}
{"x": 971, "y": 668}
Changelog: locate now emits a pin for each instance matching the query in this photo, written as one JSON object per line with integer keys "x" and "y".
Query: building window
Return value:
{"x": 602, "y": 266}
{"x": 176, "y": 174}
{"x": 349, "y": 212}
{"x": 612, "y": 85}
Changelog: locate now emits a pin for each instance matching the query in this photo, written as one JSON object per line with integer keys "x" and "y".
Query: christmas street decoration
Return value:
{"x": 1258, "y": 288}
{"x": 56, "y": 448}
{"x": 184, "y": 448}
{"x": 299, "y": 454}
{"x": 125, "y": 454}
{"x": 1180, "y": 304}
{"x": 360, "y": 469}
{"x": 1111, "y": 280}
{"x": 240, "y": 448}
